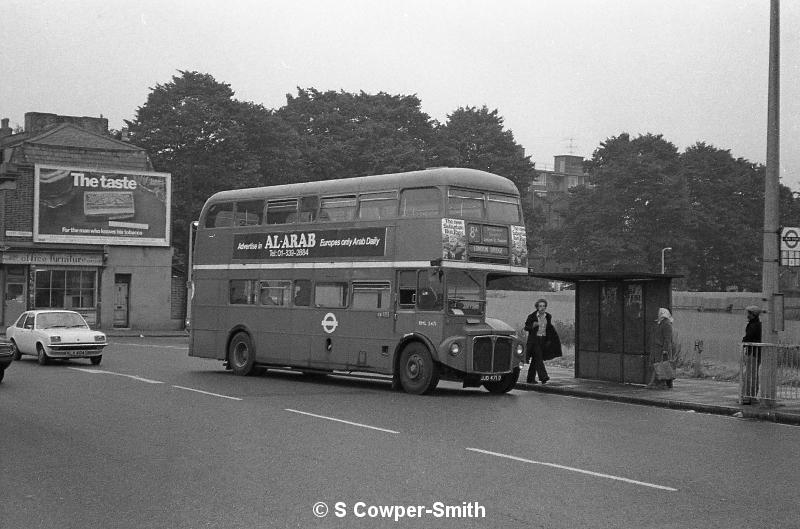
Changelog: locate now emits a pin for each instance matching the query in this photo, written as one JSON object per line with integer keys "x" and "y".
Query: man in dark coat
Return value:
{"x": 543, "y": 342}
{"x": 752, "y": 353}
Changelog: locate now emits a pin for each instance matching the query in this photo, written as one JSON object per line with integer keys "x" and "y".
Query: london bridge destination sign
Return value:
{"x": 358, "y": 242}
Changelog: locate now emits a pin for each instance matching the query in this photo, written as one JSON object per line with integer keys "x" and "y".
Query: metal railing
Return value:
{"x": 769, "y": 373}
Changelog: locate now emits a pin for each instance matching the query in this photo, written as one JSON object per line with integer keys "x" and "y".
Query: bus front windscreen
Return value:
{"x": 466, "y": 295}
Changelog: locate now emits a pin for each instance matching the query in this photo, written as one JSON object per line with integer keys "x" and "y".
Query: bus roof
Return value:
{"x": 467, "y": 178}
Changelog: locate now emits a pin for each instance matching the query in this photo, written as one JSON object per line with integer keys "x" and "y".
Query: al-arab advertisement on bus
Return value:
{"x": 342, "y": 243}
{"x": 91, "y": 206}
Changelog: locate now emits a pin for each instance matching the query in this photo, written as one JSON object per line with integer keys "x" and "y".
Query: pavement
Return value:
{"x": 702, "y": 395}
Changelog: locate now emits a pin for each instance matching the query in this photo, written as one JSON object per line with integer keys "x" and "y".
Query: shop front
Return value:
{"x": 38, "y": 279}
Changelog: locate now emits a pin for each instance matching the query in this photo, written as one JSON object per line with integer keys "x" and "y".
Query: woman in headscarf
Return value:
{"x": 662, "y": 346}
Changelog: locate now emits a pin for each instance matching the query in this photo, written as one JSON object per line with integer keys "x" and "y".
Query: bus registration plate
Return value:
{"x": 491, "y": 378}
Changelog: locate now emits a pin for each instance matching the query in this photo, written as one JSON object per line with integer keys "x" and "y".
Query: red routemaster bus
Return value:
{"x": 384, "y": 274}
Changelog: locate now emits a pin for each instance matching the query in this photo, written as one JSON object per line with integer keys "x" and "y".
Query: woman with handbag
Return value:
{"x": 661, "y": 354}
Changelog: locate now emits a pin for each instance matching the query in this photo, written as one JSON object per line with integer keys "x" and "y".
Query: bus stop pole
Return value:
{"x": 770, "y": 280}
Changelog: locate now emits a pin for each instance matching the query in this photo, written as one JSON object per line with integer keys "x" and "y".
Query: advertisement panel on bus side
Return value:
{"x": 355, "y": 242}
{"x": 92, "y": 206}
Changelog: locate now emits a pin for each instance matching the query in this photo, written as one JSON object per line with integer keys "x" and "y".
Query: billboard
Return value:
{"x": 91, "y": 206}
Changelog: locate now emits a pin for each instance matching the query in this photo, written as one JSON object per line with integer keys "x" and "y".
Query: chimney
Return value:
{"x": 5, "y": 130}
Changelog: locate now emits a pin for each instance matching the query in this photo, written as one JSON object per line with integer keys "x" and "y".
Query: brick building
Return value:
{"x": 84, "y": 225}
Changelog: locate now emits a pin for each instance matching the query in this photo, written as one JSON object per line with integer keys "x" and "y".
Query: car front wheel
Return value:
{"x": 95, "y": 360}
{"x": 15, "y": 349}
{"x": 41, "y": 355}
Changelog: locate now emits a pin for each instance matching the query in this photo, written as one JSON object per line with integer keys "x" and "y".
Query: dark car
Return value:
{"x": 6, "y": 356}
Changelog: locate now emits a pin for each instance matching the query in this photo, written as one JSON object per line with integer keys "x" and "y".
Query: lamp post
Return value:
{"x": 662, "y": 257}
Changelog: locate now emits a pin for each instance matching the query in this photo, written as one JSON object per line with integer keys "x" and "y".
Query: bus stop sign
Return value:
{"x": 790, "y": 247}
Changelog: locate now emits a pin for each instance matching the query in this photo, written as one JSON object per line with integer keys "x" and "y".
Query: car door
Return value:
{"x": 24, "y": 337}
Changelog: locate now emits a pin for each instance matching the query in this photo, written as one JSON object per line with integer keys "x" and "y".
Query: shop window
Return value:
{"x": 67, "y": 289}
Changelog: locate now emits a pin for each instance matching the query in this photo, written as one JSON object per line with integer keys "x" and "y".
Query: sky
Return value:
{"x": 565, "y": 75}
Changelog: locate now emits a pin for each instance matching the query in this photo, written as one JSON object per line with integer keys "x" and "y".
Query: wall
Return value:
{"x": 150, "y": 301}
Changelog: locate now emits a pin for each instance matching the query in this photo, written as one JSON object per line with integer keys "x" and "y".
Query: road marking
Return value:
{"x": 104, "y": 372}
{"x": 341, "y": 420}
{"x": 151, "y": 346}
{"x": 572, "y": 469}
{"x": 207, "y": 393}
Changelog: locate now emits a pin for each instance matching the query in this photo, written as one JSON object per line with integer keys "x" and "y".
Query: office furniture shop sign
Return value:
{"x": 90, "y": 206}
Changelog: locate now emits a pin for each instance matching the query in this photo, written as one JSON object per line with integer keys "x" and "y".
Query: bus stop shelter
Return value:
{"x": 615, "y": 318}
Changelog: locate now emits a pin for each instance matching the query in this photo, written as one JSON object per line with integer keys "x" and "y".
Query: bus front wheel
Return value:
{"x": 242, "y": 355}
{"x": 418, "y": 372}
{"x": 505, "y": 384}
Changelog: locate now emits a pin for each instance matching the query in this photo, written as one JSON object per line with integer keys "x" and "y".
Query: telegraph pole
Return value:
{"x": 769, "y": 278}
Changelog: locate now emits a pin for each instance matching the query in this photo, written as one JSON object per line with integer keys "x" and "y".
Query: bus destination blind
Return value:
{"x": 360, "y": 242}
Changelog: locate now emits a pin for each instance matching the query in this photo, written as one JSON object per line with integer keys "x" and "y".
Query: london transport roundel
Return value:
{"x": 329, "y": 323}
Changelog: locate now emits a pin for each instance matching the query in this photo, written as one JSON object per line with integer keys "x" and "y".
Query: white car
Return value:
{"x": 55, "y": 334}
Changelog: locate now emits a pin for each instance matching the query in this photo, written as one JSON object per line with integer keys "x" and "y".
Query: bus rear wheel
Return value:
{"x": 505, "y": 384}
{"x": 242, "y": 355}
{"x": 418, "y": 372}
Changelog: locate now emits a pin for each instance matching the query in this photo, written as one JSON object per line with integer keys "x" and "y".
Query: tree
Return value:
{"x": 633, "y": 209}
{"x": 193, "y": 128}
{"x": 342, "y": 134}
{"x": 476, "y": 138}
{"x": 726, "y": 215}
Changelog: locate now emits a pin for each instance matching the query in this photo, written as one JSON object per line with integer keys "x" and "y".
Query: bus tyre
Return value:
{"x": 242, "y": 355}
{"x": 418, "y": 372}
{"x": 505, "y": 384}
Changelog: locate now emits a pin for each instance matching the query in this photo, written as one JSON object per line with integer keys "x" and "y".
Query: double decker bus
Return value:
{"x": 383, "y": 274}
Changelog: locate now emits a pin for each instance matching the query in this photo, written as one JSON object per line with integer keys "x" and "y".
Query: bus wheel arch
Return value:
{"x": 416, "y": 368}
{"x": 241, "y": 353}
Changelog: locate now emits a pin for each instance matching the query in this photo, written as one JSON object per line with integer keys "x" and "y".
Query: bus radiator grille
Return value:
{"x": 490, "y": 355}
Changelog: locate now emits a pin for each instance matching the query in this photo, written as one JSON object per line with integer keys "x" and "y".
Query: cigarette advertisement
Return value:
{"x": 90, "y": 206}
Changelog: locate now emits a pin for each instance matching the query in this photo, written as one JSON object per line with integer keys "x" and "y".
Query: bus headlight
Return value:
{"x": 520, "y": 350}
{"x": 55, "y": 339}
{"x": 455, "y": 349}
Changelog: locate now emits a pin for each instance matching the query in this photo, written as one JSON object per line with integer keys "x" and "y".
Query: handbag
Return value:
{"x": 664, "y": 369}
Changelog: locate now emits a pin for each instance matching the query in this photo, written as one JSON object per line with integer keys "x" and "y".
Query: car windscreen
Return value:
{"x": 51, "y": 320}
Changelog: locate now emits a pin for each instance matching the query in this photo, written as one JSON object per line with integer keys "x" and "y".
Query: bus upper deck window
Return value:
{"x": 337, "y": 208}
{"x": 249, "y": 213}
{"x": 422, "y": 202}
{"x": 505, "y": 209}
{"x": 465, "y": 204}
{"x": 375, "y": 206}
{"x": 282, "y": 211}
{"x": 219, "y": 215}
